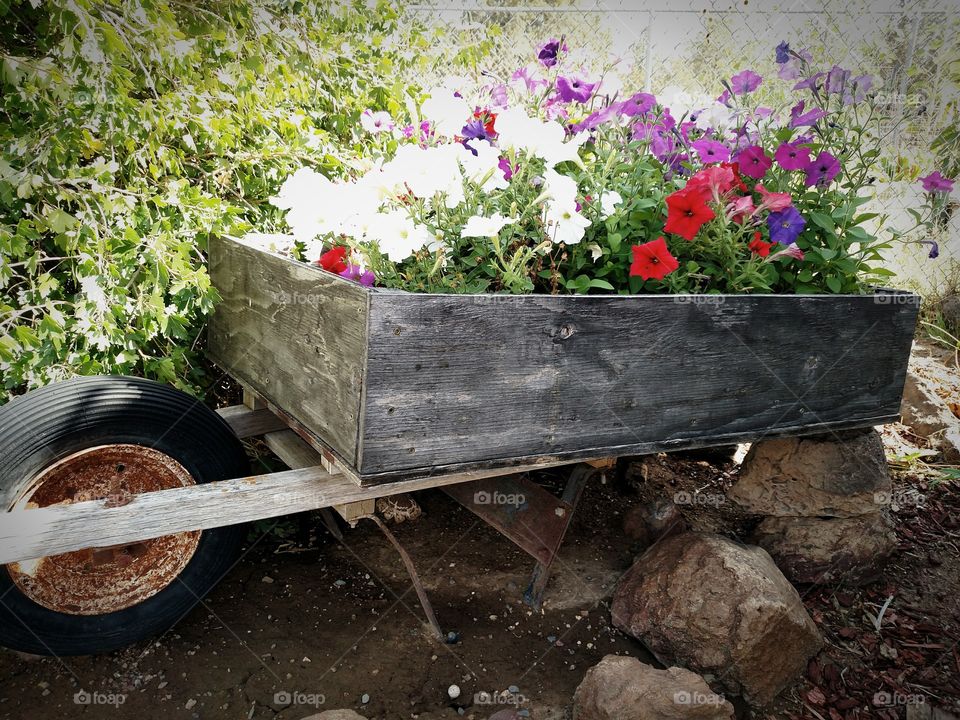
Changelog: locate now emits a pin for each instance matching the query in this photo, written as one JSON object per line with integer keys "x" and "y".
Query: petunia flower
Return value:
{"x": 785, "y": 226}
{"x": 711, "y": 151}
{"x": 652, "y": 260}
{"x": 376, "y": 122}
{"x": 356, "y": 273}
{"x": 792, "y": 156}
{"x": 550, "y": 50}
{"x": 447, "y": 111}
{"x": 573, "y": 88}
{"x": 798, "y": 118}
{"x": 504, "y": 165}
{"x": 758, "y": 246}
{"x": 810, "y": 83}
{"x": 837, "y": 80}
{"x": 529, "y": 78}
{"x": 783, "y": 52}
{"x": 791, "y": 251}
{"x": 936, "y": 183}
{"x": 745, "y": 82}
{"x": 793, "y": 67}
{"x": 608, "y": 203}
{"x": 741, "y": 208}
{"x": 480, "y": 226}
{"x": 687, "y": 211}
{"x": 772, "y": 201}
{"x": 856, "y": 91}
{"x": 713, "y": 182}
{"x": 334, "y": 260}
{"x": 638, "y": 104}
{"x": 564, "y": 223}
{"x": 754, "y": 162}
{"x": 822, "y": 170}
{"x": 737, "y": 179}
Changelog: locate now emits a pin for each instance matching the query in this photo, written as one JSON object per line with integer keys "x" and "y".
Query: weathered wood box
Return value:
{"x": 397, "y": 384}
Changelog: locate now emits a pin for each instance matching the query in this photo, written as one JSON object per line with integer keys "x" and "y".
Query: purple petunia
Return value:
{"x": 857, "y": 90}
{"x": 745, "y": 82}
{"x": 837, "y": 80}
{"x": 711, "y": 151}
{"x": 638, "y": 104}
{"x": 785, "y": 226}
{"x": 573, "y": 88}
{"x": 792, "y": 156}
{"x": 822, "y": 170}
{"x": 505, "y": 168}
{"x": 358, "y": 274}
{"x": 936, "y": 183}
{"x": 753, "y": 161}
{"x": 798, "y": 118}
{"x": 783, "y": 52}
{"x": 550, "y": 50}
{"x": 810, "y": 83}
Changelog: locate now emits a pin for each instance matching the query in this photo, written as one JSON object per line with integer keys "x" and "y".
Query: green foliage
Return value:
{"x": 130, "y": 133}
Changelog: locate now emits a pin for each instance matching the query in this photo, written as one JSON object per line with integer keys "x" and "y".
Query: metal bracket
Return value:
{"x": 525, "y": 513}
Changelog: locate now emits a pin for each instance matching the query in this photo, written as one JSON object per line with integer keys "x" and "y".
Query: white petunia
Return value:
{"x": 608, "y": 203}
{"x": 484, "y": 167}
{"x": 565, "y": 224}
{"x": 546, "y": 140}
{"x": 562, "y": 189}
{"x": 680, "y": 102}
{"x": 376, "y": 122}
{"x": 717, "y": 116}
{"x": 446, "y": 111}
{"x": 479, "y": 226}
{"x": 397, "y": 235}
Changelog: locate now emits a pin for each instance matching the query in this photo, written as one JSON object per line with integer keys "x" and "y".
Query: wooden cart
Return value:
{"x": 365, "y": 393}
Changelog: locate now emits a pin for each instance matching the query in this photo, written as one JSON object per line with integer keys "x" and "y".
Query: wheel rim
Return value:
{"x": 97, "y": 581}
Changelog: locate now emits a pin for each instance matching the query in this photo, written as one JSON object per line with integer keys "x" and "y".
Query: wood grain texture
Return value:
{"x": 453, "y": 380}
{"x": 39, "y": 532}
{"x": 247, "y": 423}
{"x": 294, "y": 334}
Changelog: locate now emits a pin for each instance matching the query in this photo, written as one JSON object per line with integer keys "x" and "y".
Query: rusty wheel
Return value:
{"x": 109, "y": 437}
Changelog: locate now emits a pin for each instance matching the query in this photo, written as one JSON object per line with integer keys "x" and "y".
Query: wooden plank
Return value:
{"x": 250, "y": 423}
{"x": 297, "y": 454}
{"x": 39, "y": 532}
{"x": 252, "y": 400}
{"x": 454, "y": 380}
{"x": 294, "y": 334}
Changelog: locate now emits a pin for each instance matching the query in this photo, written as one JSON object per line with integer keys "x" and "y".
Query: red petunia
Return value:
{"x": 334, "y": 260}
{"x": 737, "y": 178}
{"x": 758, "y": 246}
{"x": 653, "y": 260}
{"x": 488, "y": 119}
{"x": 687, "y": 211}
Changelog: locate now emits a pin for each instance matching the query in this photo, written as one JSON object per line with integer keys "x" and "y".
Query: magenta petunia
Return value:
{"x": 792, "y": 156}
{"x": 799, "y": 118}
{"x": 745, "y": 82}
{"x": 711, "y": 151}
{"x": 573, "y": 88}
{"x": 359, "y": 275}
{"x": 754, "y": 162}
{"x": 822, "y": 170}
{"x": 638, "y": 104}
{"x": 936, "y": 183}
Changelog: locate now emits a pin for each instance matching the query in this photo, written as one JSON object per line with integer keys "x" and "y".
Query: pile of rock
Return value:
{"x": 824, "y": 502}
{"x": 927, "y": 412}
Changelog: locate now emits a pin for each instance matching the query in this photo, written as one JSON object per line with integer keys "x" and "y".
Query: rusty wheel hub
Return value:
{"x": 97, "y": 581}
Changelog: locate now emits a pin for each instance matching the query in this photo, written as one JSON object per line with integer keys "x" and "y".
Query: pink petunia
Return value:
{"x": 754, "y": 162}
{"x": 936, "y": 183}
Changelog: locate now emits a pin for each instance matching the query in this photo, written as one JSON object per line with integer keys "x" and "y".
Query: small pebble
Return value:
{"x": 513, "y": 689}
{"x": 453, "y": 692}
{"x": 364, "y": 699}
{"x": 266, "y": 579}
{"x": 190, "y": 703}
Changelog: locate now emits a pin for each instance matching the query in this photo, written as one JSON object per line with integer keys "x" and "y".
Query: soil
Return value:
{"x": 304, "y": 623}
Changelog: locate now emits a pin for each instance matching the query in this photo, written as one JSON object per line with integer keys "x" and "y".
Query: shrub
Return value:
{"x": 131, "y": 132}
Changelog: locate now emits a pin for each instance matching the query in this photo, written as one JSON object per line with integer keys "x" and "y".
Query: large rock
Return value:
{"x": 721, "y": 609}
{"x": 829, "y": 475}
{"x": 623, "y": 688}
{"x": 927, "y": 414}
{"x": 828, "y": 550}
{"x": 950, "y": 310}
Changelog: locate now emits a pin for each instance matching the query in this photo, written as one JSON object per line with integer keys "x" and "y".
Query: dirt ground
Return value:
{"x": 304, "y": 623}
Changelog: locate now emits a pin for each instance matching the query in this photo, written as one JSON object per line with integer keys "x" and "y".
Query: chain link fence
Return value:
{"x": 912, "y": 49}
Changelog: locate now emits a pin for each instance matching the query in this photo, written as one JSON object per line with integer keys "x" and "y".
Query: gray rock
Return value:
{"x": 950, "y": 310}
{"x": 721, "y": 608}
{"x": 828, "y": 550}
{"x": 623, "y": 688}
{"x": 829, "y": 475}
{"x": 336, "y": 715}
{"x": 923, "y": 410}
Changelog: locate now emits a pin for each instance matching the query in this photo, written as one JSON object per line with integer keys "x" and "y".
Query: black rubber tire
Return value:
{"x": 48, "y": 424}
